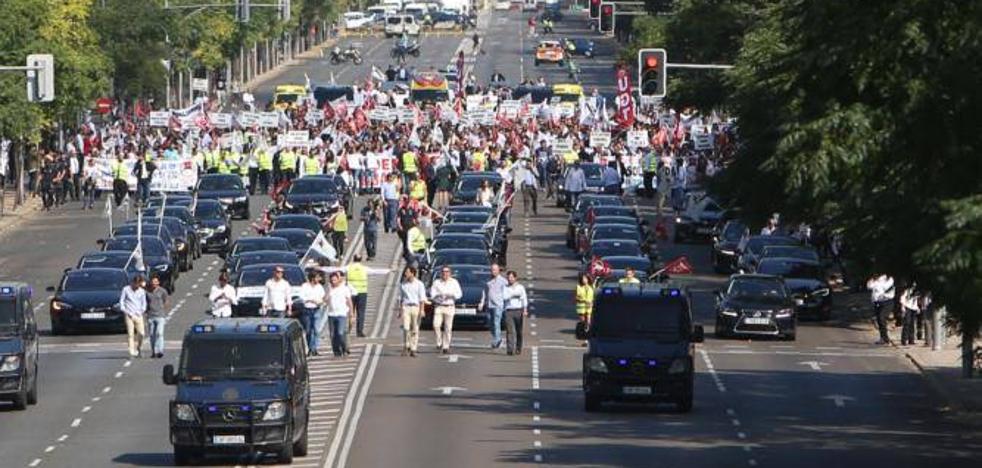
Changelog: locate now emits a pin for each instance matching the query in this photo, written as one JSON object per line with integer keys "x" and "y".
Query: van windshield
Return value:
{"x": 659, "y": 320}
{"x": 233, "y": 358}
{"x": 8, "y": 312}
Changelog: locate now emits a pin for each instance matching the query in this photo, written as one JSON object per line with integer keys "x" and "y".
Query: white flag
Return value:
{"x": 108, "y": 213}
{"x": 318, "y": 249}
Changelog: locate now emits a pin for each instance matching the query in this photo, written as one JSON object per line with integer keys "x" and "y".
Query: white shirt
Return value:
{"x": 909, "y": 299}
{"x": 337, "y": 301}
{"x": 880, "y": 288}
{"x": 277, "y": 294}
{"x": 133, "y": 302}
{"x": 312, "y": 295}
{"x": 445, "y": 293}
{"x": 221, "y": 306}
{"x": 515, "y": 297}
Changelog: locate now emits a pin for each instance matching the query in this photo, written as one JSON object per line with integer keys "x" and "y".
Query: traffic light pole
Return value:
{"x": 698, "y": 66}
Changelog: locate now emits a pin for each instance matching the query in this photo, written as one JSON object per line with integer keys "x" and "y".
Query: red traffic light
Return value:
{"x": 651, "y": 61}
{"x": 608, "y": 9}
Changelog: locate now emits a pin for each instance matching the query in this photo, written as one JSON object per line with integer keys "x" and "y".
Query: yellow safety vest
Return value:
{"x": 629, "y": 281}
{"x": 288, "y": 161}
{"x": 310, "y": 165}
{"x": 652, "y": 164}
{"x": 408, "y": 162}
{"x": 265, "y": 161}
{"x": 358, "y": 277}
{"x": 211, "y": 159}
{"x": 417, "y": 240}
{"x": 584, "y": 299}
{"x": 119, "y": 171}
{"x": 570, "y": 157}
{"x": 479, "y": 160}
{"x": 417, "y": 190}
{"x": 341, "y": 223}
{"x": 223, "y": 167}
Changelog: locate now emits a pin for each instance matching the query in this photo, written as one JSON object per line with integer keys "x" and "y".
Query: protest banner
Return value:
{"x": 176, "y": 175}
{"x": 269, "y": 119}
{"x": 637, "y": 139}
{"x": 159, "y": 118}
{"x": 599, "y": 138}
{"x": 293, "y": 139}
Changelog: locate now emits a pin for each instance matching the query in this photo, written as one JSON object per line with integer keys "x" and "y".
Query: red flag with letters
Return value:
{"x": 678, "y": 266}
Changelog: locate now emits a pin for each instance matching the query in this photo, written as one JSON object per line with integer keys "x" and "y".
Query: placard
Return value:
{"x": 220, "y": 120}
{"x": 248, "y": 119}
{"x": 510, "y": 108}
{"x": 293, "y": 138}
{"x": 561, "y": 146}
{"x": 269, "y": 119}
{"x": 474, "y": 101}
{"x": 159, "y": 118}
{"x": 382, "y": 114}
{"x": 599, "y": 138}
{"x": 314, "y": 116}
{"x": 406, "y": 115}
{"x": 637, "y": 139}
{"x": 170, "y": 176}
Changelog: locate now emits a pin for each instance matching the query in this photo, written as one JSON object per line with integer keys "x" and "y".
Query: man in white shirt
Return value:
{"x": 222, "y": 297}
{"x": 340, "y": 310}
{"x": 910, "y": 301}
{"x": 444, "y": 293}
{"x": 881, "y": 293}
{"x": 516, "y": 308}
{"x": 412, "y": 296}
{"x": 276, "y": 297}
{"x": 133, "y": 303}
{"x": 312, "y": 294}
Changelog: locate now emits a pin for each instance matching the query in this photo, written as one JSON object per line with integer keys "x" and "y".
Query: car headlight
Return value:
{"x": 728, "y": 312}
{"x": 184, "y": 412}
{"x": 679, "y": 366}
{"x": 225, "y": 201}
{"x": 181, "y": 246}
{"x": 162, "y": 267}
{"x": 58, "y": 305}
{"x": 220, "y": 228}
{"x": 275, "y": 410}
{"x": 595, "y": 364}
{"x": 783, "y": 313}
{"x": 10, "y": 363}
{"x": 820, "y": 292}
{"x": 241, "y": 199}
{"x": 205, "y": 232}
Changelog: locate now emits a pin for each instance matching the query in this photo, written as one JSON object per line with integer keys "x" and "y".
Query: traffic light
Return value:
{"x": 606, "y": 17}
{"x": 243, "y": 10}
{"x": 284, "y": 10}
{"x": 41, "y": 78}
{"x": 651, "y": 72}
{"x": 594, "y": 9}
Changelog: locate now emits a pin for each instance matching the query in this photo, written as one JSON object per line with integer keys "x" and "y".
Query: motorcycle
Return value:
{"x": 349, "y": 53}
{"x": 400, "y": 51}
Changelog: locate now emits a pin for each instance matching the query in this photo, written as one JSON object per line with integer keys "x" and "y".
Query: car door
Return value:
{"x": 30, "y": 341}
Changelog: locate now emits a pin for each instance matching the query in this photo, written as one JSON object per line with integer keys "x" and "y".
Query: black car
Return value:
{"x": 242, "y": 387}
{"x": 345, "y": 193}
{"x": 228, "y": 189}
{"x": 174, "y": 240}
{"x": 185, "y": 237}
{"x": 465, "y": 192}
{"x": 250, "y": 284}
{"x": 613, "y": 248}
{"x": 158, "y": 260}
{"x": 186, "y": 217}
{"x": 699, "y": 221}
{"x": 299, "y": 239}
{"x": 619, "y": 263}
{"x": 261, "y": 257}
{"x": 590, "y": 211}
{"x": 314, "y": 195}
{"x": 301, "y": 221}
{"x": 457, "y": 257}
{"x": 801, "y": 252}
{"x": 252, "y": 244}
{"x": 640, "y": 346}
{"x": 578, "y": 212}
{"x": 87, "y": 299}
{"x": 173, "y": 199}
{"x": 459, "y": 241}
{"x": 725, "y": 246}
{"x": 496, "y": 237}
{"x": 472, "y": 279}
{"x": 755, "y": 305}
{"x": 18, "y": 346}
{"x": 752, "y": 247}
{"x": 213, "y": 225}
{"x": 806, "y": 281}
{"x": 467, "y": 217}
{"x": 580, "y": 46}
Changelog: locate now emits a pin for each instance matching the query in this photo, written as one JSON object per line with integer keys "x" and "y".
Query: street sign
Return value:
{"x": 103, "y": 105}
{"x": 199, "y": 84}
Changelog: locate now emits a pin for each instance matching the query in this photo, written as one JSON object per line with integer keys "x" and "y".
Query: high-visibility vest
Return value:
{"x": 584, "y": 299}
{"x": 479, "y": 160}
{"x": 570, "y": 157}
{"x": 119, "y": 171}
{"x": 288, "y": 161}
{"x": 310, "y": 165}
{"x": 148, "y": 157}
{"x": 416, "y": 239}
{"x": 408, "y": 162}
{"x": 243, "y": 165}
{"x": 211, "y": 159}
{"x": 223, "y": 167}
{"x": 265, "y": 161}
{"x": 626, "y": 280}
{"x": 652, "y": 165}
{"x": 358, "y": 277}
{"x": 417, "y": 190}
{"x": 341, "y": 223}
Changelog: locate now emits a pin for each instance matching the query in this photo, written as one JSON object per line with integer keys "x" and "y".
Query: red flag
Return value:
{"x": 342, "y": 110}
{"x": 328, "y": 112}
{"x": 599, "y": 267}
{"x": 678, "y": 266}
{"x": 361, "y": 121}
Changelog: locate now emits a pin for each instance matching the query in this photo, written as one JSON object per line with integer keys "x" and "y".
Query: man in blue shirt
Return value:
{"x": 611, "y": 179}
{"x": 494, "y": 297}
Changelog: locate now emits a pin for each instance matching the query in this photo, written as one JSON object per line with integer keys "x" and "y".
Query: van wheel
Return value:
{"x": 300, "y": 446}
{"x": 286, "y": 454}
{"x": 591, "y": 403}
{"x": 184, "y": 456}
{"x": 32, "y": 394}
{"x": 20, "y": 400}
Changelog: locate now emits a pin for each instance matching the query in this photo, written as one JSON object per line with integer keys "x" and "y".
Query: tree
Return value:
{"x": 135, "y": 36}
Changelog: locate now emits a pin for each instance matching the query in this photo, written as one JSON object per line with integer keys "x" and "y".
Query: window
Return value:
{"x": 235, "y": 358}
{"x": 657, "y": 319}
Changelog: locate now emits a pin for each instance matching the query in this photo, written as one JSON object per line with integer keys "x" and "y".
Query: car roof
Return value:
{"x": 290, "y": 231}
{"x": 262, "y": 266}
{"x": 218, "y": 176}
{"x": 99, "y": 270}
{"x": 803, "y": 261}
{"x": 754, "y": 276}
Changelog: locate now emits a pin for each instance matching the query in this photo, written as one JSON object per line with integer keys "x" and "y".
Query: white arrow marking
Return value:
{"x": 815, "y": 365}
{"x": 449, "y": 390}
{"x": 840, "y": 400}
{"x": 456, "y": 357}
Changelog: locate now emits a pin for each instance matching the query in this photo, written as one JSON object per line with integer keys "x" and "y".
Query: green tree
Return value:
{"x": 134, "y": 35}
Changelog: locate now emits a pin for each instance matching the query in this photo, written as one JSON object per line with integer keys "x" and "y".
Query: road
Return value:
{"x": 831, "y": 395}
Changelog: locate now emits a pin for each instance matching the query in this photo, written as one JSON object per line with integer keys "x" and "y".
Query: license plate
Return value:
{"x": 704, "y": 230}
{"x": 92, "y": 315}
{"x": 757, "y": 321}
{"x": 466, "y": 311}
{"x": 637, "y": 390}
{"x": 228, "y": 439}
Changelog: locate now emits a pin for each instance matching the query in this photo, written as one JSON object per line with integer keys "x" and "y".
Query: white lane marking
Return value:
{"x": 106, "y": 389}
{"x": 86, "y": 409}
{"x": 118, "y": 374}
{"x": 96, "y": 399}
{"x": 815, "y": 365}
{"x": 366, "y": 384}
{"x": 63, "y": 438}
{"x": 35, "y": 462}
{"x": 49, "y": 449}
{"x": 537, "y": 444}
{"x": 535, "y": 368}
{"x": 712, "y": 371}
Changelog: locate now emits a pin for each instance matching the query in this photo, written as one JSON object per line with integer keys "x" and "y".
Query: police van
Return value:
{"x": 640, "y": 346}
{"x": 242, "y": 387}
{"x": 18, "y": 346}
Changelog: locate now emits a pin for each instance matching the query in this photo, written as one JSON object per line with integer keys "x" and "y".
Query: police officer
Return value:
{"x": 339, "y": 229}
{"x": 120, "y": 186}
{"x": 649, "y": 165}
{"x": 409, "y": 169}
{"x": 415, "y": 245}
{"x": 288, "y": 164}
{"x": 417, "y": 189}
{"x": 310, "y": 165}
{"x": 358, "y": 280}
{"x": 264, "y": 161}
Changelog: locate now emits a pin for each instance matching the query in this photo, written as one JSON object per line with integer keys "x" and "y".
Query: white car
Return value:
{"x": 502, "y": 5}
{"x": 357, "y": 20}
{"x": 396, "y": 25}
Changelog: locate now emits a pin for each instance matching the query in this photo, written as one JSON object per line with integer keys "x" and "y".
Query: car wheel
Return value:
{"x": 57, "y": 328}
{"x": 32, "y": 394}
{"x": 285, "y": 455}
{"x": 184, "y": 456}
{"x": 718, "y": 331}
{"x": 300, "y": 446}
{"x": 20, "y": 400}
{"x": 591, "y": 403}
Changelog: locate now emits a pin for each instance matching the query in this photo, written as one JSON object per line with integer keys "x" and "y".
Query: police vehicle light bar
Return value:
{"x": 268, "y": 328}
{"x": 612, "y": 290}
{"x": 6, "y": 291}
{"x": 203, "y": 329}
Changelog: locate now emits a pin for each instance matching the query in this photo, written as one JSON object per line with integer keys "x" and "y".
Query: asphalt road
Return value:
{"x": 830, "y": 397}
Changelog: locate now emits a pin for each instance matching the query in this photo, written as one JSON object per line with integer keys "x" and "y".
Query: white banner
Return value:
{"x": 248, "y": 119}
{"x": 269, "y": 119}
{"x": 637, "y": 139}
{"x": 170, "y": 176}
{"x": 406, "y": 115}
{"x": 293, "y": 138}
{"x": 159, "y": 118}
{"x": 220, "y": 120}
{"x": 314, "y": 116}
{"x": 562, "y": 146}
{"x": 509, "y": 109}
{"x": 599, "y": 138}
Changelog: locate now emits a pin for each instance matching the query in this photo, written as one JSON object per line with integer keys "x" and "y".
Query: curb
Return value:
{"x": 951, "y": 404}
{"x": 26, "y": 212}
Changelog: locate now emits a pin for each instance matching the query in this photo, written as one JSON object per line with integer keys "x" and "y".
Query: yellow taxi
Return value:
{"x": 429, "y": 88}
{"x": 567, "y": 96}
{"x": 288, "y": 96}
{"x": 549, "y": 52}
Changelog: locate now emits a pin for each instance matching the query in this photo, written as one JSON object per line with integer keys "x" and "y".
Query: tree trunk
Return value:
{"x": 968, "y": 354}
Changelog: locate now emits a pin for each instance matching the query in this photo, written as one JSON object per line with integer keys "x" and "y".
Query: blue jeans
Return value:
{"x": 391, "y": 210}
{"x": 339, "y": 333}
{"x": 309, "y": 319}
{"x": 155, "y": 330}
{"x": 494, "y": 316}
{"x": 143, "y": 190}
{"x": 361, "y": 303}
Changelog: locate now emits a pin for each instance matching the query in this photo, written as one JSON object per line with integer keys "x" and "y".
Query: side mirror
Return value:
{"x": 50, "y": 288}
{"x": 66, "y": 270}
{"x": 799, "y": 301}
{"x": 168, "y": 375}
{"x": 698, "y": 334}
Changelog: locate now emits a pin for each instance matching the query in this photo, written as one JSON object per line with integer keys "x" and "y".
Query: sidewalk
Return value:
{"x": 14, "y": 217}
{"x": 941, "y": 369}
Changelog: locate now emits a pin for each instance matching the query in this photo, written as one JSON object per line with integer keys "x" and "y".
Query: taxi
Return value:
{"x": 288, "y": 96}
{"x": 429, "y": 88}
{"x": 567, "y": 97}
{"x": 550, "y": 52}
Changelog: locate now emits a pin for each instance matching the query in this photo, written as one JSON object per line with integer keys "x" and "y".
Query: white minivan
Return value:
{"x": 396, "y": 25}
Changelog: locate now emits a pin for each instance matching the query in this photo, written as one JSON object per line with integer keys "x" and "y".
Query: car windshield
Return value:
{"x": 429, "y": 95}
{"x": 232, "y": 358}
{"x": 620, "y": 263}
{"x": 466, "y": 276}
{"x": 152, "y": 247}
{"x": 616, "y": 232}
{"x": 756, "y": 245}
{"x": 267, "y": 243}
{"x": 790, "y": 251}
{"x": 467, "y": 217}
{"x": 461, "y": 258}
{"x": 258, "y": 259}
{"x": 103, "y": 261}
{"x": 220, "y": 183}
{"x": 209, "y": 211}
{"x": 756, "y": 288}
{"x": 592, "y": 171}
{"x": 258, "y": 276}
{"x": 295, "y": 238}
{"x": 88, "y": 280}
{"x": 8, "y": 312}
{"x": 297, "y": 222}
{"x": 458, "y": 242}
{"x": 625, "y": 249}
{"x": 287, "y": 98}
{"x": 472, "y": 183}
{"x": 308, "y": 186}
{"x": 789, "y": 269}
{"x": 733, "y": 232}
{"x": 660, "y": 320}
